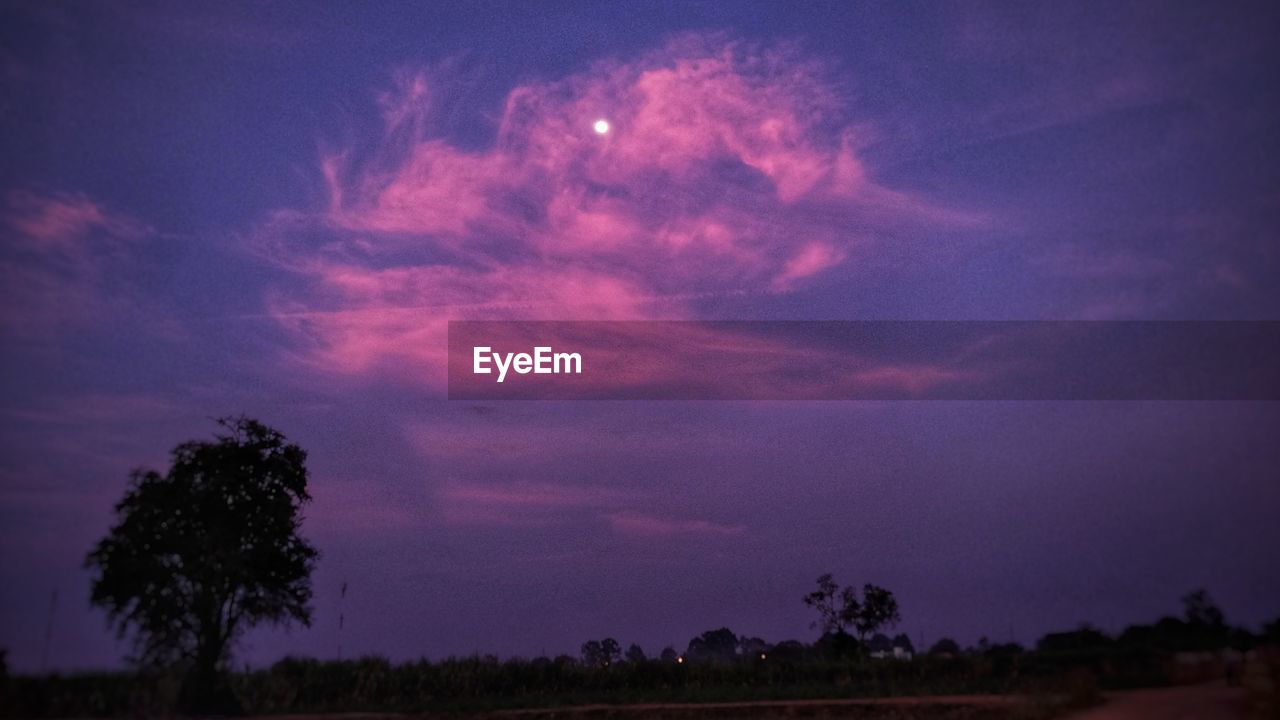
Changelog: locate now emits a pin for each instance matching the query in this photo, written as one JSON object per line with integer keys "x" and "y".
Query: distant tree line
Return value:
{"x": 1201, "y": 628}
{"x": 211, "y": 547}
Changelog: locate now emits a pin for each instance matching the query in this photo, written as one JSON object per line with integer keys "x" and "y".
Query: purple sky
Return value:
{"x": 209, "y": 210}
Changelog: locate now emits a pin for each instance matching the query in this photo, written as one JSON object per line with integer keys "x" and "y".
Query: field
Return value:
{"x": 1211, "y": 701}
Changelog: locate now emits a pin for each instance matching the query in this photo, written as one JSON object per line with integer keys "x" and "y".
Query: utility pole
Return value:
{"x": 342, "y": 596}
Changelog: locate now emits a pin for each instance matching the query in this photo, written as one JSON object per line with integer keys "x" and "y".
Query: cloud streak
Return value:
{"x": 648, "y": 525}
{"x": 729, "y": 168}
{"x": 66, "y": 258}
{"x": 537, "y": 503}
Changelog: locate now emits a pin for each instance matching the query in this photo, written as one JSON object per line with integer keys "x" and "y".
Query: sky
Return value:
{"x": 274, "y": 209}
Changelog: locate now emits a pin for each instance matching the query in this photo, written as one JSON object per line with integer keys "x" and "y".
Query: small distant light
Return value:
{"x": 763, "y": 656}
{"x": 680, "y": 660}
{"x": 601, "y": 127}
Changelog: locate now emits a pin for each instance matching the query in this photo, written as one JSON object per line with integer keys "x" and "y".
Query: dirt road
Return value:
{"x": 1214, "y": 701}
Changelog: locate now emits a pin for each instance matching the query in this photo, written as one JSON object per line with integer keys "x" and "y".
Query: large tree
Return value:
{"x": 1200, "y": 609}
{"x": 831, "y": 603}
{"x": 601, "y": 653}
{"x": 719, "y": 644}
{"x": 878, "y": 609}
{"x": 1206, "y": 625}
{"x": 205, "y": 551}
{"x": 841, "y": 609}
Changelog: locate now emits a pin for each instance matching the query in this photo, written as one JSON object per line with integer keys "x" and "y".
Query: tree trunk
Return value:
{"x": 206, "y": 690}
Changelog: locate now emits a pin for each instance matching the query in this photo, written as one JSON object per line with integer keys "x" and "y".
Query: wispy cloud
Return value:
{"x": 541, "y": 503}
{"x": 728, "y": 168}
{"x": 65, "y": 258}
{"x": 522, "y": 503}
{"x": 640, "y": 524}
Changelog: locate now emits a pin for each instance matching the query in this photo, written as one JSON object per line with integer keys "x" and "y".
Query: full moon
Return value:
{"x": 601, "y": 126}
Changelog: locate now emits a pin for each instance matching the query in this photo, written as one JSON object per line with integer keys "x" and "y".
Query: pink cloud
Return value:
{"x": 63, "y": 260}
{"x": 529, "y": 494}
{"x": 719, "y": 154}
{"x": 629, "y": 523}
{"x": 522, "y": 503}
{"x": 66, "y": 223}
{"x": 358, "y": 506}
{"x": 812, "y": 259}
{"x": 531, "y": 504}
{"x": 914, "y": 379}
{"x": 58, "y": 220}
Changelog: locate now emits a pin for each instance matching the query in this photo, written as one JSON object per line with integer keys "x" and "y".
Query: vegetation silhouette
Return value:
{"x": 946, "y": 647}
{"x": 1061, "y": 671}
{"x": 210, "y": 548}
{"x": 635, "y": 654}
{"x": 719, "y": 644}
{"x": 601, "y": 653}
{"x": 205, "y": 551}
{"x": 841, "y": 609}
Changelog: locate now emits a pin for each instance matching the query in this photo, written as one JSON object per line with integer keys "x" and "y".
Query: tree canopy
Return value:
{"x": 842, "y": 609}
{"x": 206, "y": 550}
{"x": 719, "y": 644}
{"x": 945, "y": 646}
{"x": 601, "y": 653}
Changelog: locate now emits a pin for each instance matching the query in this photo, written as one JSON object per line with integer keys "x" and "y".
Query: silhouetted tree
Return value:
{"x": 1206, "y": 625}
{"x": 840, "y": 609}
{"x": 1086, "y": 637}
{"x": 752, "y": 647}
{"x": 945, "y": 646}
{"x": 1242, "y": 639}
{"x": 878, "y": 609}
{"x": 1271, "y": 633}
{"x": 668, "y": 654}
{"x": 903, "y": 641}
{"x": 1169, "y": 634}
{"x": 789, "y": 650}
{"x": 879, "y": 643}
{"x": 204, "y": 552}
{"x": 713, "y": 645}
{"x": 635, "y": 654}
{"x": 1004, "y": 649}
{"x": 834, "y": 646}
{"x": 612, "y": 650}
{"x": 1202, "y": 627}
{"x": 831, "y": 604}
{"x": 1199, "y": 609}
{"x": 601, "y": 653}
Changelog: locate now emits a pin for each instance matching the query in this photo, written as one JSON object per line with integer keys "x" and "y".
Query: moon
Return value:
{"x": 601, "y": 127}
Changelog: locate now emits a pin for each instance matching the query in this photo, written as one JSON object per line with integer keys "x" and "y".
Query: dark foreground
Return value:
{"x": 946, "y": 707}
{"x": 1211, "y": 701}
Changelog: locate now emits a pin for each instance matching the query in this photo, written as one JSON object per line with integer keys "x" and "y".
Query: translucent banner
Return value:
{"x": 864, "y": 360}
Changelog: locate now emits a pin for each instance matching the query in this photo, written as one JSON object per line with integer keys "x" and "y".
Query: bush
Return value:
{"x": 482, "y": 683}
